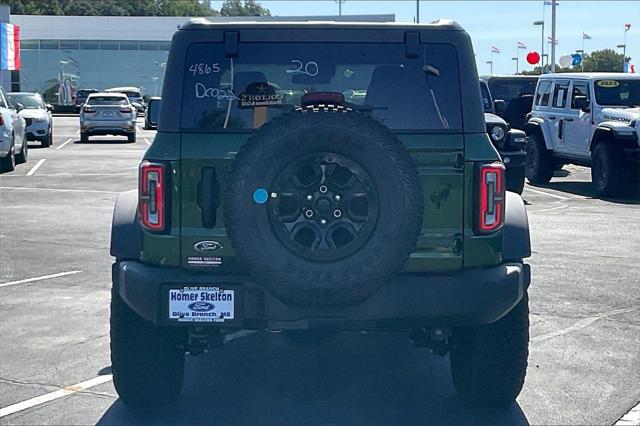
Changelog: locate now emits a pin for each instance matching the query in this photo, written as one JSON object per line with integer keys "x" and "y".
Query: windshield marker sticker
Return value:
{"x": 260, "y": 196}
{"x": 310, "y": 68}
{"x": 203, "y": 91}
{"x": 608, "y": 83}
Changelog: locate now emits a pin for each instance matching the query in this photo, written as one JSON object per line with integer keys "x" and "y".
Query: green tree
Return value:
{"x": 606, "y": 60}
{"x": 243, "y": 8}
{"x": 113, "y": 7}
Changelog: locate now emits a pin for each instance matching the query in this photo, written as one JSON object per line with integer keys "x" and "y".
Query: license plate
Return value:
{"x": 201, "y": 304}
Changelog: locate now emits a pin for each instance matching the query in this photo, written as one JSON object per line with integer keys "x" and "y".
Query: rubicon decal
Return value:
{"x": 208, "y": 246}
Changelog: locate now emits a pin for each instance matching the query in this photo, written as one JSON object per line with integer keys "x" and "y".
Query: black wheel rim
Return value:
{"x": 323, "y": 206}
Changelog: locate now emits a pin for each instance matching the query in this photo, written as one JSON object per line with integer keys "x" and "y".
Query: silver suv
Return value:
{"x": 591, "y": 120}
{"x": 107, "y": 114}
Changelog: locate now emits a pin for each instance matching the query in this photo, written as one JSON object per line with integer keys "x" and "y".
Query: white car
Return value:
{"x": 37, "y": 114}
{"x": 13, "y": 142}
{"x": 589, "y": 119}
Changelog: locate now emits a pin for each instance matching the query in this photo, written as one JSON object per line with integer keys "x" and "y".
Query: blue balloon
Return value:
{"x": 576, "y": 59}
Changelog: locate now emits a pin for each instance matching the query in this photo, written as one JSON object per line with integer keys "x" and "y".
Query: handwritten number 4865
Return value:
{"x": 310, "y": 68}
{"x": 203, "y": 69}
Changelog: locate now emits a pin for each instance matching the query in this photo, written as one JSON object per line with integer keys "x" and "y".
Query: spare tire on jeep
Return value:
{"x": 322, "y": 205}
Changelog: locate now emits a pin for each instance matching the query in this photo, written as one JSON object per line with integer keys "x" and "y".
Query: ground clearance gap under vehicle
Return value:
{"x": 589, "y": 119}
{"x": 308, "y": 177}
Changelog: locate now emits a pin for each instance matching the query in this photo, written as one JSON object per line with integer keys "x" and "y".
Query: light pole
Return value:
{"x": 541, "y": 23}
{"x": 417, "y": 11}
{"x": 554, "y": 4}
{"x": 516, "y": 59}
{"x": 491, "y": 67}
{"x": 624, "y": 54}
{"x": 340, "y": 6}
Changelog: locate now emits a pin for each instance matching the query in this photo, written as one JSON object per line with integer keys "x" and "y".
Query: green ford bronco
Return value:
{"x": 311, "y": 178}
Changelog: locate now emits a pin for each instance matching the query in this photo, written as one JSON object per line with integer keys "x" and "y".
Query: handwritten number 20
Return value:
{"x": 310, "y": 68}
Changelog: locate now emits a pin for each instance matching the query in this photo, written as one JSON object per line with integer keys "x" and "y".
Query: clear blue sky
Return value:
{"x": 500, "y": 23}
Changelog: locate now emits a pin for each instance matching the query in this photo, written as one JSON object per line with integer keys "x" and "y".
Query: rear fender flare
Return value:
{"x": 535, "y": 127}
{"x": 125, "y": 230}
{"x": 516, "y": 243}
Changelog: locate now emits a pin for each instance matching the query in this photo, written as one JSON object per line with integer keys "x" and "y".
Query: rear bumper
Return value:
{"x": 464, "y": 298}
{"x": 108, "y": 127}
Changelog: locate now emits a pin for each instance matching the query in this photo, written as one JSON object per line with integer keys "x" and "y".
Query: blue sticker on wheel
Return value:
{"x": 260, "y": 196}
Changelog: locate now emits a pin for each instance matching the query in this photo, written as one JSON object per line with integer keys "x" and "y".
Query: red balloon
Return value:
{"x": 533, "y": 57}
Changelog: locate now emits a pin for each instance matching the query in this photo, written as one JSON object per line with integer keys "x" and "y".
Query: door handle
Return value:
{"x": 552, "y": 117}
{"x": 568, "y": 119}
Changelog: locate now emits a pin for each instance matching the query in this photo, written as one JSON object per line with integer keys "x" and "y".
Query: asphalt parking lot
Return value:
{"x": 55, "y": 212}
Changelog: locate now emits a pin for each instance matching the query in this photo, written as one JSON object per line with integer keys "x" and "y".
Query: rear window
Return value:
{"x": 107, "y": 100}
{"x": 266, "y": 80}
{"x": 131, "y": 94}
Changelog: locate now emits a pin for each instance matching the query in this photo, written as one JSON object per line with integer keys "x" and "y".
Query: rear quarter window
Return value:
{"x": 266, "y": 80}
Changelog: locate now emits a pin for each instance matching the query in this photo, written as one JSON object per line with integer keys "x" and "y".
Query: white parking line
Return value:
{"x": 26, "y": 188}
{"x": 36, "y": 167}
{"x": 563, "y": 206}
{"x": 583, "y": 323}
{"x": 64, "y": 143}
{"x": 47, "y": 397}
{"x": 147, "y": 141}
{"x": 632, "y": 418}
{"x": 536, "y": 191}
{"x": 43, "y": 277}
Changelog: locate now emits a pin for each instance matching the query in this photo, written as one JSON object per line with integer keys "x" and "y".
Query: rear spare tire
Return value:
{"x": 322, "y": 206}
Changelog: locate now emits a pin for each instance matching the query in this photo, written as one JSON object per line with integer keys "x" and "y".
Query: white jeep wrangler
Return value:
{"x": 588, "y": 119}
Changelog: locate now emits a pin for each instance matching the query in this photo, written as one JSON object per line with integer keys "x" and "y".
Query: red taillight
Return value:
{"x": 1, "y": 120}
{"x": 88, "y": 110}
{"x": 490, "y": 206}
{"x": 125, "y": 109}
{"x": 152, "y": 192}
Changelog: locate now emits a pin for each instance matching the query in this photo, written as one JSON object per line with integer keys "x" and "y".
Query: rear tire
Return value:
{"x": 515, "y": 179}
{"x": 608, "y": 170}
{"x": 539, "y": 165}
{"x": 8, "y": 163}
{"x": 489, "y": 362}
{"x": 24, "y": 153}
{"x": 147, "y": 361}
{"x": 84, "y": 138}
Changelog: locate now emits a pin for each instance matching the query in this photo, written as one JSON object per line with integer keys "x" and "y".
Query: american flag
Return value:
{"x": 586, "y": 36}
{"x": 495, "y": 49}
{"x": 627, "y": 27}
{"x": 521, "y": 45}
{"x": 550, "y": 40}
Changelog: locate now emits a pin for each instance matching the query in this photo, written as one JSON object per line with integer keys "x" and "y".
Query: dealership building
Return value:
{"x": 60, "y": 54}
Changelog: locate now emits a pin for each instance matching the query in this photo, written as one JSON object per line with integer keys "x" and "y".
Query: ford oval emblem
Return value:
{"x": 201, "y": 306}
{"x": 207, "y": 246}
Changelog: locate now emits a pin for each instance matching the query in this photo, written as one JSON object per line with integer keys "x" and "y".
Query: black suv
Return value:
{"x": 510, "y": 143}
{"x": 313, "y": 178}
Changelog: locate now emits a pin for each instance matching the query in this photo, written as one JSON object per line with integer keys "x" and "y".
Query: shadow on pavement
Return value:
{"x": 374, "y": 379}
{"x": 102, "y": 141}
{"x": 585, "y": 189}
